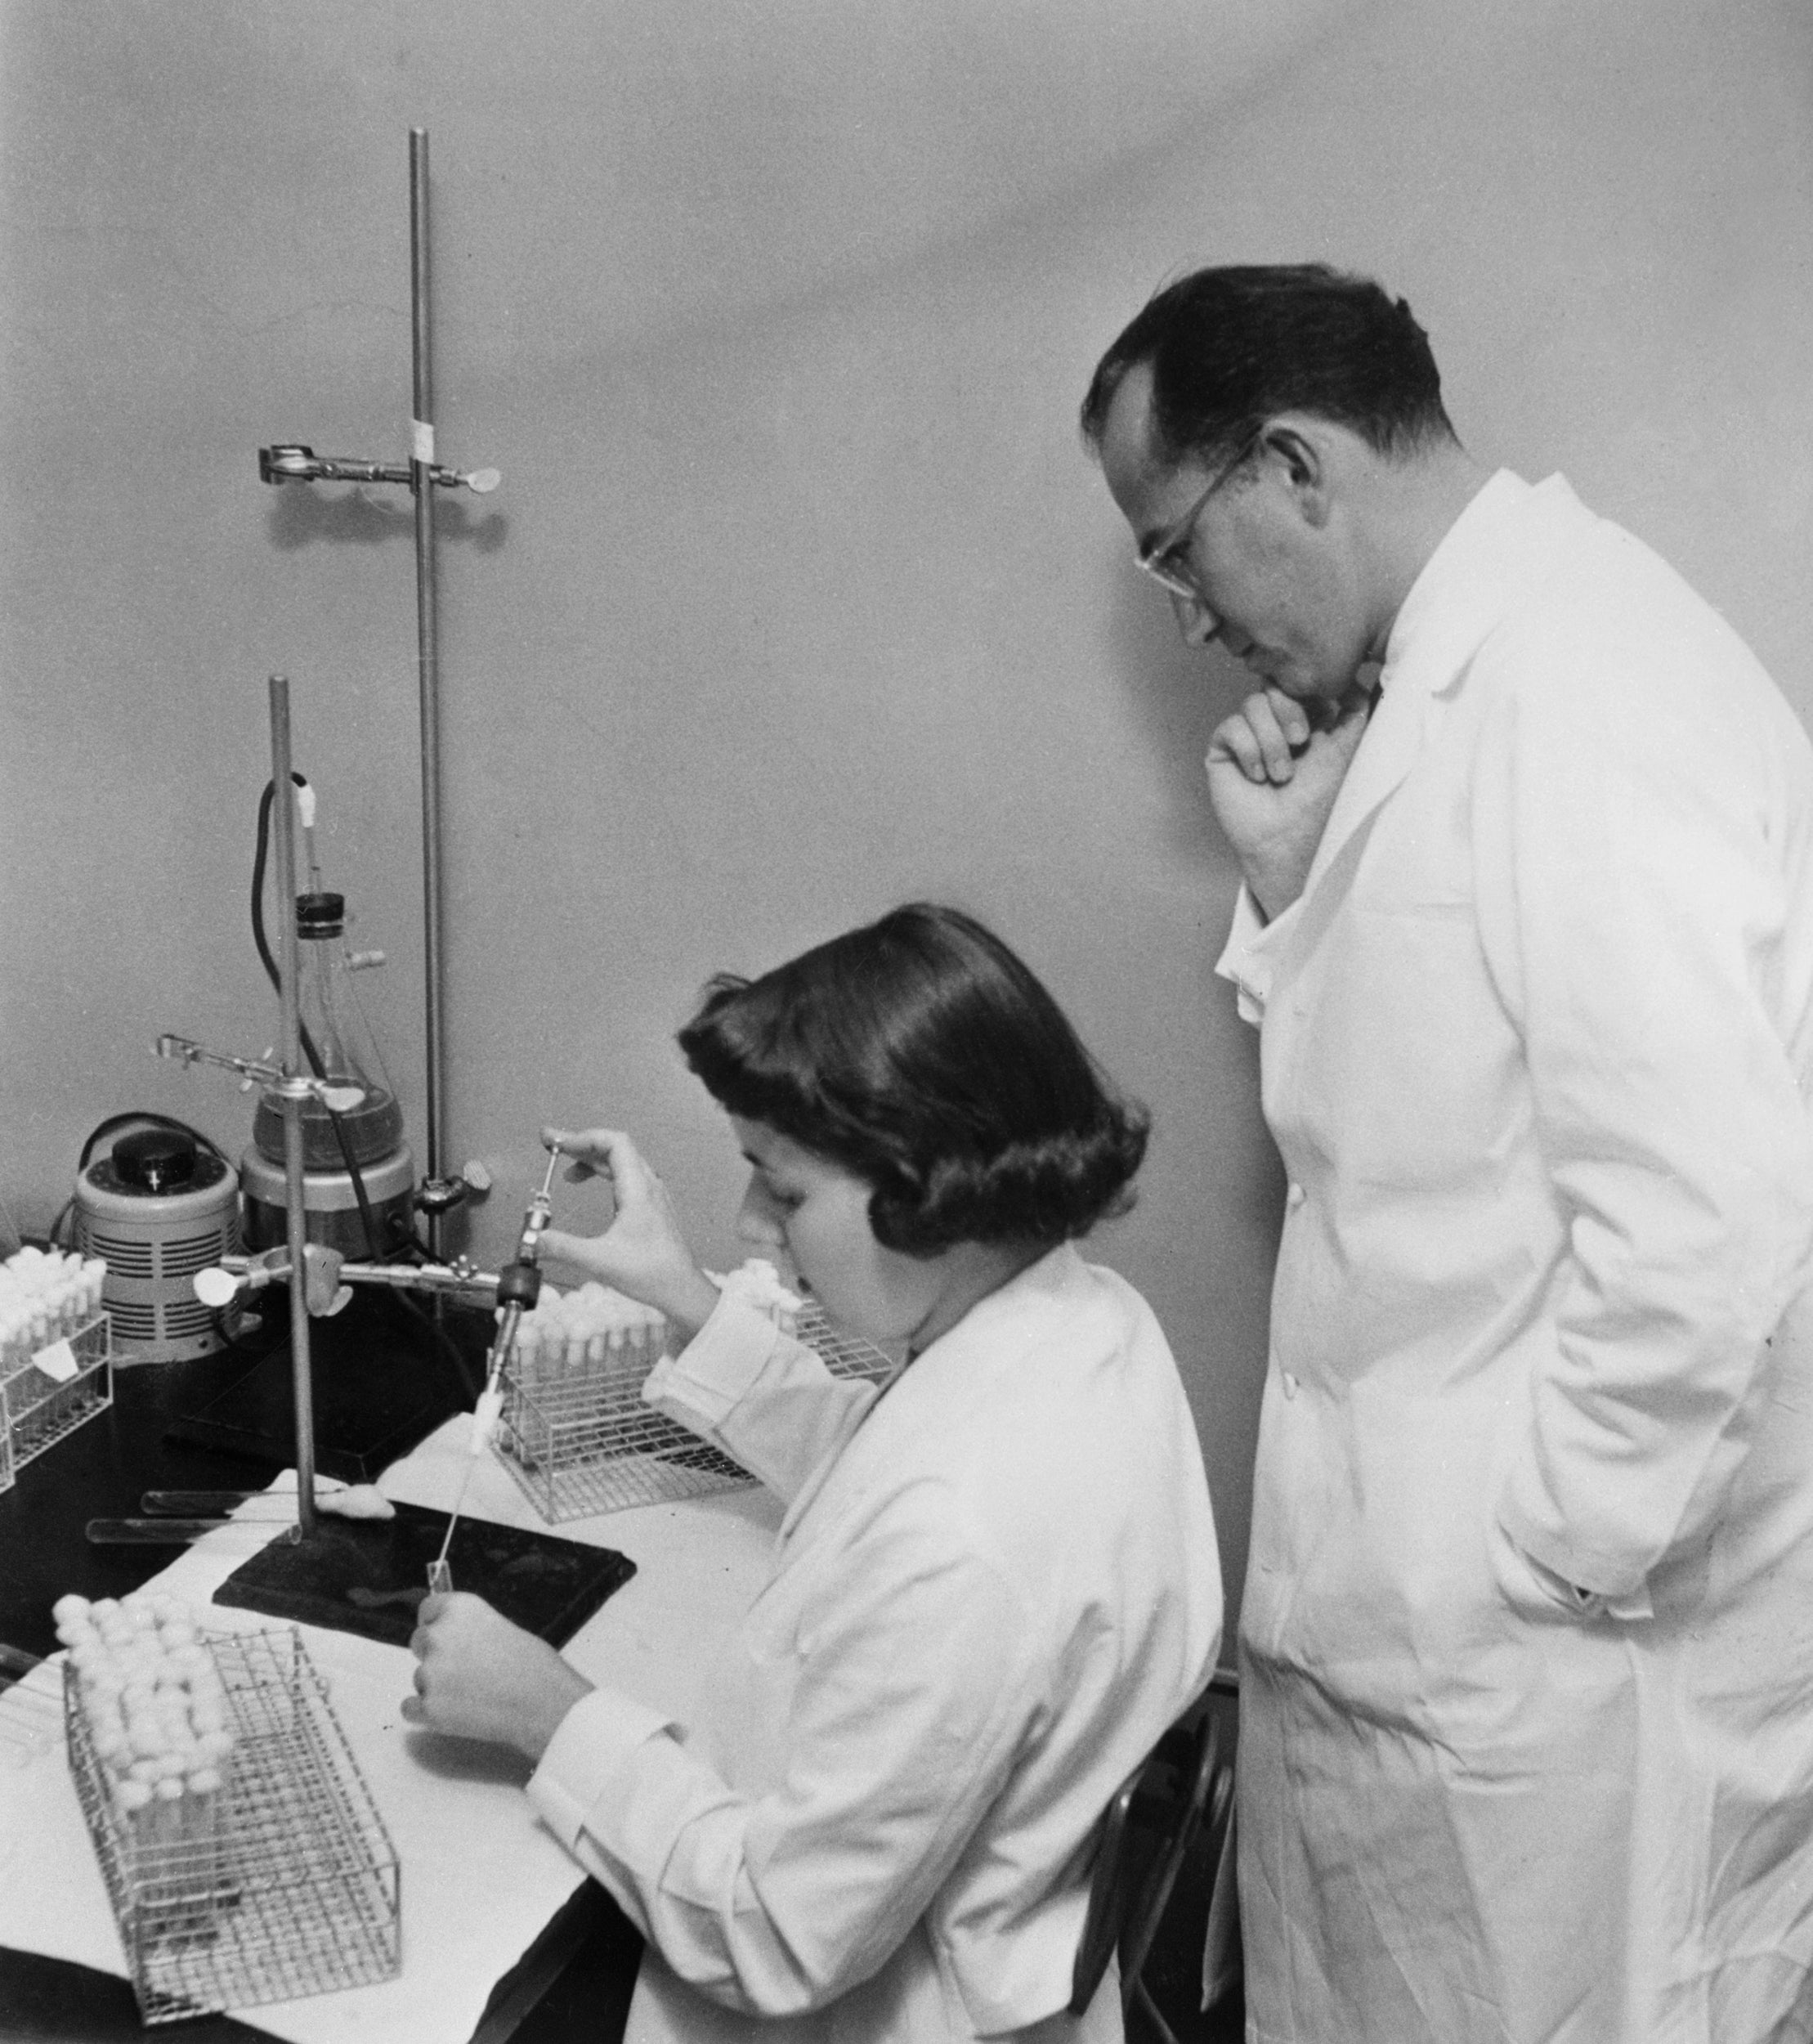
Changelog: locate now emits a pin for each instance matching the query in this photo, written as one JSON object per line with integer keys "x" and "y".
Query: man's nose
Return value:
{"x": 757, "y": 1223}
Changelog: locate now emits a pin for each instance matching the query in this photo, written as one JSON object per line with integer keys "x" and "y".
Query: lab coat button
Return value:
{"x": 1289, "y": 1385}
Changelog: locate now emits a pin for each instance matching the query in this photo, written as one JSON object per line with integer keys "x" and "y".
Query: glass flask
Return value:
{"x": 336, "y": 1046}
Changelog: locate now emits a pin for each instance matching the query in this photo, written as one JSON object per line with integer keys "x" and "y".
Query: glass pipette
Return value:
{"x": 518, "y": 1287}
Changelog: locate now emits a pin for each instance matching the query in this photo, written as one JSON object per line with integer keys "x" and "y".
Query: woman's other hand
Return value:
{"x": 480, "y": 1677}
{"x": 644, "y": 1251}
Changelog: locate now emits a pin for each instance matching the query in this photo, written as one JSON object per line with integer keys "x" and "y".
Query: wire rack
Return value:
{"x": 36, "y": 1411}
{"x": 580, "y": 1440}
{"x": 281, "y": 1883}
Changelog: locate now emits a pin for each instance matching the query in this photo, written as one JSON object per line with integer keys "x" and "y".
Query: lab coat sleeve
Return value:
{"x": 912, "y": 1693}
{"x": 1246, "y": 958}
{"x": 765, "y": 1398}
{"x": 597, "y": 1740}
{"x": 1631, "y": 908}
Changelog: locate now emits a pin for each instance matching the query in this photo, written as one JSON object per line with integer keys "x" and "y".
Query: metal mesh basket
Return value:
{"x": 280, "y": 1883}
{"x": 580, "y": 1441}
{"x": 36, "y": 1411}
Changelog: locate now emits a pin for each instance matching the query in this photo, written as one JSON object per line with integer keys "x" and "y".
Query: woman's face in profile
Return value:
{"x": 811, "y": 1216}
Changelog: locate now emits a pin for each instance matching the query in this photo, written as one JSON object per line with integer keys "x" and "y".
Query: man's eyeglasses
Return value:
{"x": 1166, "y": 558}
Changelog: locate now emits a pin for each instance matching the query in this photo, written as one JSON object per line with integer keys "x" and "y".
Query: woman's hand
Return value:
{"x": 643, "y": 1252}
{"x": 479, "y": 1676}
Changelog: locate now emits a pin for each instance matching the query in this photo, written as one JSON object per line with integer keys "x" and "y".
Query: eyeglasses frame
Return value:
{"x": 1154, "y": 559}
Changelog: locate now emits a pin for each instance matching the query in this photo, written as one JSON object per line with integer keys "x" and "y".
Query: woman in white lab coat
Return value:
{"x": 995, "y": 1584}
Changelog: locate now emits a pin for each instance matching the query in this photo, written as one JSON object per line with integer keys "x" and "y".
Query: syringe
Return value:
{"x": 518, "y": 1287}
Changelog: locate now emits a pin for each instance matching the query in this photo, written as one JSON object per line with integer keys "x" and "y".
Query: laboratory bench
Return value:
{"x": 385, "y": 1378}
{"x": 563, "y": 1968}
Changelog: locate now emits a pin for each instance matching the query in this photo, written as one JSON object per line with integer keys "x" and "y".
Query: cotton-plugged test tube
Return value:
{"x": 45, "y": 1296}
{"x": 528, "y": 1351}
{"x": 157, "y": 1717}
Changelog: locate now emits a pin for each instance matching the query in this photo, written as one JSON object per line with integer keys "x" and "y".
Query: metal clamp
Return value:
{"x": 296, "y": 463}
{"x": 337, "y": 1099}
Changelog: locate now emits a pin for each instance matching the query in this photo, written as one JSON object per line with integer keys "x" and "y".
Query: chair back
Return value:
{"x": 1146, "y": 1830}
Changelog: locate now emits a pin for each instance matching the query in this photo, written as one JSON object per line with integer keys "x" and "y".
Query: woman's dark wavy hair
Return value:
{"x": 921, "y": 1054}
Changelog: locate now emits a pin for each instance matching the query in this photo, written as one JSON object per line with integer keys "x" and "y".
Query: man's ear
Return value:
{"x": 1302, "y": 454}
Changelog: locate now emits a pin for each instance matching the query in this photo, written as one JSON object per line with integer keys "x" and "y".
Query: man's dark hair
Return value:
{"x": 1231, "y": 348}
{"x": 921, "y": 1054}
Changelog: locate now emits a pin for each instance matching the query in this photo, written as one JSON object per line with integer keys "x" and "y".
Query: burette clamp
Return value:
{"x": 337, "y": 1099}
{"x": 293, "y": 463}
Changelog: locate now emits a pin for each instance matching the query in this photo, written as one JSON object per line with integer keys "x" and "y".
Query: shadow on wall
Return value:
{"x": 304, "y": 513}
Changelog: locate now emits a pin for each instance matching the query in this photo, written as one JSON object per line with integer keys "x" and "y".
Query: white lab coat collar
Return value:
{"x": 1451, "y": 606}
{"x": 934, "y": 1390}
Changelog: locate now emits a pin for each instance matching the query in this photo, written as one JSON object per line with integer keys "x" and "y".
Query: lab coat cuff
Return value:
{"x": 717, "y": 1369}
{"x": 587, "y": 1753}
{"x": 1250, "y": 953}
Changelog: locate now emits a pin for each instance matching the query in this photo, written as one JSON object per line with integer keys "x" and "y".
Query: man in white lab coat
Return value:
{"x": 1527, "y": 927}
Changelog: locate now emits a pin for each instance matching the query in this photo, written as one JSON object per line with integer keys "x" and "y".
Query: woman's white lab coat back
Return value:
{"x": 996, "y": 1586}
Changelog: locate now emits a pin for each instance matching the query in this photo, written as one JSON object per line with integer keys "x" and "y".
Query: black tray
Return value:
{"x": 369, "y": 1576}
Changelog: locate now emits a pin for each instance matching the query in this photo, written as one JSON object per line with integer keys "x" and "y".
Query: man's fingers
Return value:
{"x": 1234, "y": 740}
{"x": 1263, "y": 737}
{"x": 1291, "y": 716}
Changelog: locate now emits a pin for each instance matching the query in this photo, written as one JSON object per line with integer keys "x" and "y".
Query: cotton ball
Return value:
{"x": 358, "y": 1501}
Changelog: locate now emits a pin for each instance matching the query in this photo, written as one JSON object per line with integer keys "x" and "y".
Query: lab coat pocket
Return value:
{"x": 1533, "y": 1591}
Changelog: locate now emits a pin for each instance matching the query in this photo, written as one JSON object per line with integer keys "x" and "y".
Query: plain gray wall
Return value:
{"x": 799, "y": 598}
